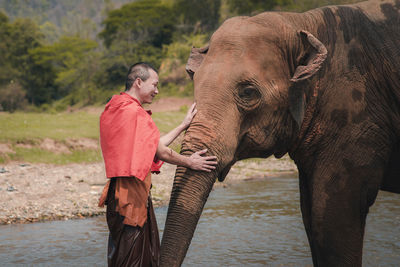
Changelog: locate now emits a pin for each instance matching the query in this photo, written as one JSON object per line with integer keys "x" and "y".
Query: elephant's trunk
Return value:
{"x": 189, "y": 194}
{"x": 191, "y": 188}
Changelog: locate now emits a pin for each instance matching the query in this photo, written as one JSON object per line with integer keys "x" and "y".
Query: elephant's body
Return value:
{"x": 322, "y": 85}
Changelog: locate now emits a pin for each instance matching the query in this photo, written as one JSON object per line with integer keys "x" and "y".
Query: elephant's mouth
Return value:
{"x": 225, "y": 171}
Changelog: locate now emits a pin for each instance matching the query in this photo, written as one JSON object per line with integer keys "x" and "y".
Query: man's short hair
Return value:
{"x": 138, "y": 70}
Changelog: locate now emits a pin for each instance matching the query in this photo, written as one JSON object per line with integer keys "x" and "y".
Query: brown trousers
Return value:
{"x": 128, "y": 245}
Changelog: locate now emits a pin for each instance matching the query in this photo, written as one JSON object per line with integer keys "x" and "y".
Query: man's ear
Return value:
{"x": 196, "y": 57}
{"x": 137, "y": 82}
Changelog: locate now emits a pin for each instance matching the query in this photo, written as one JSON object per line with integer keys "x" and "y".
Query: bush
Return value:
{"x": 173, "y": 77}
{"x": 12, "y": 97}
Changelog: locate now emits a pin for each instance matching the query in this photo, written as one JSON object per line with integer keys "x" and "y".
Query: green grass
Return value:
{"x": 166, "y": 121}
{"x": 31, "y": 128}
{"x": 37, "y": 155}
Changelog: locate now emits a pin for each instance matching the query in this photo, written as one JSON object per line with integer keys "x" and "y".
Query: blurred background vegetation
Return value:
{"x": 55, "y": 54}
{"x": 58, "y": 55}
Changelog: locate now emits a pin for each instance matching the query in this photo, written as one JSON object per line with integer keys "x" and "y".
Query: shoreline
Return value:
{"x": 42, "y": 192}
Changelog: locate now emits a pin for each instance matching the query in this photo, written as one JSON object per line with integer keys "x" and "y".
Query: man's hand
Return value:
{"x": 200, "y": 163}
{"x": 195, "y": 161}
{"x": 189, "y": 116}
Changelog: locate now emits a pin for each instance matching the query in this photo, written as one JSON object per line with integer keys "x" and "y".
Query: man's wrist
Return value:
{"x": 188, "y": 162}
{"x": 183, "y": 127}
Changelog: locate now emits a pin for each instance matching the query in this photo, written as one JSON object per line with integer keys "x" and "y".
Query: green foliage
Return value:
{"x": 119, "y": 57}
{"x": 50, "y": 31}
{"x": 81, "y": 18}
{"x": 73, "y": 59}
{"x": 173, "y": 77}
{"x": 180, "y": 49}
{"x": 6, "y": 69}
{"x": 249, "y": 7}
{"x": 197, "y": 16}
{"x": 252, "y": 7}
{"x": 135, "y": 32}
{"x": 17, "y": 65}
{"x": 22, "y": 36}
{"x": 12, "y": 97}
{"x": 3, "y": 18}
{"x": 145, "y": 22}
{"x": 304, "y": 5}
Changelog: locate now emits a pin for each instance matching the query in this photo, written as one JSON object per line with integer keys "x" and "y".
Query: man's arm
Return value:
{"x": 195, "y": 161}
{"x": 172, "y": 135}
{"x": 168, "y": 138}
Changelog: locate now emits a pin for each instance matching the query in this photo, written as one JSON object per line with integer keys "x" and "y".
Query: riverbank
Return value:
{"x": 40, "y": 192}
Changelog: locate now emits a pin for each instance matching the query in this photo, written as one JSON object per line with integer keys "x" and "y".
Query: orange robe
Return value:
{"x": 129, "y": 140}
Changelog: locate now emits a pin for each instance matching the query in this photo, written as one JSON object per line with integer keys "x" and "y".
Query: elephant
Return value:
{"x": 322, "y": 86}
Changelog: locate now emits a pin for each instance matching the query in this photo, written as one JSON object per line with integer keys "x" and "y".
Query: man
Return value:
{"x": 132, "y": 149}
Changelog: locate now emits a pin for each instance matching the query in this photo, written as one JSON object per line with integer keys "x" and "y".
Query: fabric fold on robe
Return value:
{"x": 131, "y": 196}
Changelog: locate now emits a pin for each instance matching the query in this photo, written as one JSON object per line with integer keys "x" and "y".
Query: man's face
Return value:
{"x": 148, "y": 89}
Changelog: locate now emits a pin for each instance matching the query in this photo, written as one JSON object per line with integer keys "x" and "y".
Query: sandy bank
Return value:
{"x": 38, "y": 192}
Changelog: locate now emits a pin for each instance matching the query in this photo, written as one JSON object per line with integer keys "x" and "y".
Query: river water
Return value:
{"x": 255, "y": 223}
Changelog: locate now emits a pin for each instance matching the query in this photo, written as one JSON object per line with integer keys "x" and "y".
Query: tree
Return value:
{"x": 173, "y": 77}
{"x": 50, "y": 31}
{"x": 135, "y": 32}
{"x": 5, "y": 64}
{"x": 68, "y": 58}
{"x": 119, "y": 57}
{"x": 251, "y": 7}
{"x": 12, "y": 97}
{"x": 145, "y": 22}
{"x": 198, "y": 16}
{"x": 36, "y": 79}
{"x": 17, "y": 65}
{"x": 3, "y": 18}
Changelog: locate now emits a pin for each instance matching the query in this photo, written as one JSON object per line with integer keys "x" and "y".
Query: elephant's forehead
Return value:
{"x": 231, "y": 64}
{"x": 237, "y": 31}
{"x": 226, "y": 56}
{"x": 242, "y": 38}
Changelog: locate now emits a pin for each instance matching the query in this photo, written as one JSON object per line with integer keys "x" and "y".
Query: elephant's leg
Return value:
{"x": 335, "y": 204}
{"x": 305, "y": 205}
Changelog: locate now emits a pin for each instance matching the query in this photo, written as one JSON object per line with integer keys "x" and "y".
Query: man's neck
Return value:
{"x": 132, "y": 93}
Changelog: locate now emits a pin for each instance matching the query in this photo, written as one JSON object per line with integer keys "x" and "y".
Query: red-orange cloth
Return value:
{"x": 128, "y": 138}
{"x": 131, "y": 197}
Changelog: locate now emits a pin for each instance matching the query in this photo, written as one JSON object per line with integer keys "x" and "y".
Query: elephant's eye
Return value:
{"x": 248, "y": 93}
{"x": 249, "y": 97}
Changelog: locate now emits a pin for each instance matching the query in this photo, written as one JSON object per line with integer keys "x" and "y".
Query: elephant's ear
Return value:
{"x": 195, "y": 59}
{"x": 313, "y": 55}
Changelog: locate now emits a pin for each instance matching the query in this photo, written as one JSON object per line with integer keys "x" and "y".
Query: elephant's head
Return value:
{"x": 250, "y": 101}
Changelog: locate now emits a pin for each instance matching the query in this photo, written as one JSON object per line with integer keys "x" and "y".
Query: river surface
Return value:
{"x": 254, "y": 223}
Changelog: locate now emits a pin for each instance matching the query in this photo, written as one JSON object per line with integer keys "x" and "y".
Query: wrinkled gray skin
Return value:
{"x": 323, "y": 86}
